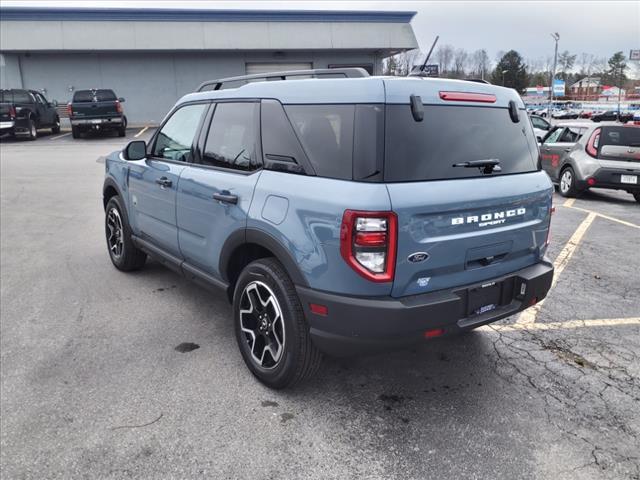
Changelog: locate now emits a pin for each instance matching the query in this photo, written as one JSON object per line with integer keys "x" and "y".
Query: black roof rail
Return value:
{"x": 477, "y": 80}
{"x": 351, "y": 72}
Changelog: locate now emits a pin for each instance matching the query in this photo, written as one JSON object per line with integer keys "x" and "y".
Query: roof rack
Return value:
{"x": 351, "y": 72}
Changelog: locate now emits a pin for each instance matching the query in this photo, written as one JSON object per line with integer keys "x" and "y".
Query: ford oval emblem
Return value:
{"x": 418, "y": 257}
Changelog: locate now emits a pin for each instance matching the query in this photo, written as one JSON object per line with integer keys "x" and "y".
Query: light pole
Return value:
{"x": 619, "y": 90}
{"x": 503, "y": 72}
{"x": 556, "y": 37}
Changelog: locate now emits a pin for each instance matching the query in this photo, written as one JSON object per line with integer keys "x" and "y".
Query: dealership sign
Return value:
{"x": 558, "y": 88}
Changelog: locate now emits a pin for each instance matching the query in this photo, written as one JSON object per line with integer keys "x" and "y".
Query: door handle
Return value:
{"x": 164, "y": 182}
{"x": 567, "y": 149}
{"x": 226, "y": 197}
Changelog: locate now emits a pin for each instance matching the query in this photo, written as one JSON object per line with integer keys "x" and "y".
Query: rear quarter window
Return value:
{"x": 418, "y": 151}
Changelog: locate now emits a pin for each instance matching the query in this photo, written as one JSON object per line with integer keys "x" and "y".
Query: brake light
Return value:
{"x": 69, "y": 110}
{"x": 468, "y": 97}
{"x": 118, "y": 107}
{"x": 368, "y": 242}
{"x": 12, "y": 111}
{"x": 592, "y": 144}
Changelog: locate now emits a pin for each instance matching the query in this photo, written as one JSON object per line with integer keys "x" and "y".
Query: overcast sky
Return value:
{"x": 598, "y": 27}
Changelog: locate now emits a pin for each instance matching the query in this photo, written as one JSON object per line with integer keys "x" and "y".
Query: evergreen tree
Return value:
{"x": 515, "y": 72}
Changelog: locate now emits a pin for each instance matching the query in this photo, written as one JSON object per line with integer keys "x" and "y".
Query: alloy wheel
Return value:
{"x": 565, "y": 181}
{"x": 115, "y": 233}
{"x": 262, "y": 324}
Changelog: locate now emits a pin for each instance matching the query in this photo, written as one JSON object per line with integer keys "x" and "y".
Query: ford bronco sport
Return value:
{"x": 340, "y": 215}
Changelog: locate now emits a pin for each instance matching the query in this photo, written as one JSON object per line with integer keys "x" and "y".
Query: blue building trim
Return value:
{"x": 188, "y": 15}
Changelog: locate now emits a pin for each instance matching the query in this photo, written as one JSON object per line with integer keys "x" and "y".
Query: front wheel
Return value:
{"x": 56, "y": 126}
{"x": 568, "y": 183}
{"x": 271, "y": 330}
{"x": 123, "y": 253}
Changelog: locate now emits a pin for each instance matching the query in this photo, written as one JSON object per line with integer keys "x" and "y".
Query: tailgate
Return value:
{"x": 94, "y": 109}
{"x": 471, "y": 230}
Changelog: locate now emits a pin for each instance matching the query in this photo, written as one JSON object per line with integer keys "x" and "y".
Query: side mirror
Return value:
{"x": 121, "y": 99}
{"x": 136, "y": 150}
{"x": 53, "y": 103}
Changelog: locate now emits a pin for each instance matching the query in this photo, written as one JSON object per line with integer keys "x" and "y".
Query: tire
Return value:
{"x": 75, "y": 132}
{"x": 32, "y": 128}
{"x": 122, "y": 131}
{"x": 567, "y": 183}
{"x": 276, "y": 348}
{"x": 636, "y": 195}
{"x": 56, "y": 126}
{"x": 123, "y": 253}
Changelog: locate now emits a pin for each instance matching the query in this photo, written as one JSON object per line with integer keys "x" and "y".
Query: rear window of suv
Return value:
{"x": 15, "y": 96}
{"x": 624, "y": 136}
{"x": 100, "y": 95}
{"x": 418, "y": 151}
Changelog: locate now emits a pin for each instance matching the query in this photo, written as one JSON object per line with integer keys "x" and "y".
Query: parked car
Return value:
{"x": 340, "y": 215}
{"x": 585, "y": 114}
{"x": 23, "y": 112}
{"x": 611, "y": 115}
{"x": 636, "y": 118}
{"x": 578, "y": 157}
{"x": 97, "y": 110}
{"x": 540, "y": 126}
{"x": 565, "y": 114}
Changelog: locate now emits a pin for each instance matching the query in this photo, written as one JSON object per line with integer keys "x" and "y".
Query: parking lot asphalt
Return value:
{"x": 92, "y": 386}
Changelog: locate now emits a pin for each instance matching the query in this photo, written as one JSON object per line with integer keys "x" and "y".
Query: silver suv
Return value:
{"x": 579, "y": 156}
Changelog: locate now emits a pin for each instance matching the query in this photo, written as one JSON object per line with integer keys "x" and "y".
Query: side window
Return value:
{"x": 539, "y": 123}
{"x": 571, "y": 135}
{"x": 232, "y": 141}
{"x": 326, "y": 133}
{"x": 554, "y": 135}
{"x": 175, "y": 139}
{"x": 40, "y": 99}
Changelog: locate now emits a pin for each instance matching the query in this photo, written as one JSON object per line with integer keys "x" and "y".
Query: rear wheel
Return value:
{"x": 636, "y": 195}
{"x": 123, "y": 253}
{"x": 75, "y": 132}
{"x": 122, "y": 131}
{"x": 56, "y": 126}
{"x": 32, "y": 129}
{"x": 271, "y": 330}
{"x": 567, "y": 186}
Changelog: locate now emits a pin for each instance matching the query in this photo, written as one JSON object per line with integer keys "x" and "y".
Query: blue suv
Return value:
{"x": 340, "y": 213}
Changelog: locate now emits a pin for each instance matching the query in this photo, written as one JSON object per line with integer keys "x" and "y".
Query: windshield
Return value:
{"x": 448, "y": 135}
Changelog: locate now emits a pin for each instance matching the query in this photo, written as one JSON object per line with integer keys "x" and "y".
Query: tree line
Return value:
{"x": 511, "y": 69}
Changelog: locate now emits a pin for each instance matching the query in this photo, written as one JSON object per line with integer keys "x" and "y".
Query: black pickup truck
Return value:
{"x": 96, "y": 110}
{"x": 23, "y": 112}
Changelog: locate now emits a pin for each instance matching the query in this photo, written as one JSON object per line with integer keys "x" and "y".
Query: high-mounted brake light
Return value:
{"x": 467, "y": 97}
{"x": 592, "y": 144}
{"x": 368, "y": 242}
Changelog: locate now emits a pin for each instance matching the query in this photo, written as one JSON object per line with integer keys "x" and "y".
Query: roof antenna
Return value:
{"x": 420, "y": 73}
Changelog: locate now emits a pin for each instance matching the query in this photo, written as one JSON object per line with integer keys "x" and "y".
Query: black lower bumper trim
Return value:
{"x": 355, "y": 325}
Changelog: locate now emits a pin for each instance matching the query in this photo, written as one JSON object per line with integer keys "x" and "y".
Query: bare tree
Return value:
{"x": 586, "y": 63}
{"x": 459, "y": 61}
{"x": 479, "y": 63}
{"x": 566, "y": 62}
{"x": 444, "y": 55}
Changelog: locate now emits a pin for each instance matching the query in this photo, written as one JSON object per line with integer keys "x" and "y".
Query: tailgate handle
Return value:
{"x": 489, "y": 260}
{"x": 488, "y": 255}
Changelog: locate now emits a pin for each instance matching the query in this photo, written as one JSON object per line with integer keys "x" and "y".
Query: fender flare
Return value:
{"x": 265, "y": 240}
{"x": 110, "y": 182}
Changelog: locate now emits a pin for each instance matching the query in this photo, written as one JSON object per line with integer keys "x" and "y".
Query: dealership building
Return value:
{"x": 152, "y": 57}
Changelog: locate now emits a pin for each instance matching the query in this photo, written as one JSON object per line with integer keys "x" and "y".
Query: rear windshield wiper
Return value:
{"x": 488, "y": 165}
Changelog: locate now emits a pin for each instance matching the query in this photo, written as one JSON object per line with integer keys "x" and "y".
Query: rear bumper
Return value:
{"x": 610, "y": 178}
{"x": 97, "y": 123}
{"x": 6, "y": 126}
{"x": 355, "y": 325}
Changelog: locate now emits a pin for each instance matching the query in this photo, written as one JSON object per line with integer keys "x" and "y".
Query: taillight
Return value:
{"x": 12, "y": 111}
{"x": 69, "y": 110}
{"x": 548, "y": 239}
{"x": 368, "y": 242}
{"x": 592, "y": 144}
{"x": 118, "y": 107}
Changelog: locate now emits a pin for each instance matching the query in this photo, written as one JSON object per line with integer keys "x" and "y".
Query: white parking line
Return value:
{"x": 571, "y": 324}
{"x": 60, "y": 136}
{"x": 144, "y": 129}
{"x": 560, "y": 263}
{"x": 569, "y": 202}
{"x": 601, "y": 215}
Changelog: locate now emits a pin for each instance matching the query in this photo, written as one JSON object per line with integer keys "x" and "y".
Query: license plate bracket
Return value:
{"x": 485, "y": 298}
